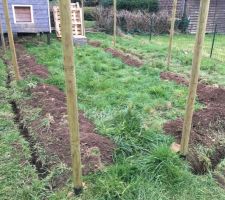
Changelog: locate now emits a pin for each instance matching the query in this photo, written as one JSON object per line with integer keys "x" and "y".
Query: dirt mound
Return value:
{"x": 208, "y": 125}
{"x": 96, "y": 150}
{"x": 25, "y": 60}
{"x": 211, "y": 95}
{"x": 170, "y": 76}
{"x": 126, "y": 58}
{"x": 51, "y": 128}
{"x": 95, "y": 43}
{"x": 129, "y": 59}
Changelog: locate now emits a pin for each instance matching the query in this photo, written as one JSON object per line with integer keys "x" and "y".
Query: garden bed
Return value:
{"x": 207, "y": 128}
{"x": 128, "y": 59}
{"x": 130, "y": 105}
{"x": 45, "y": 117}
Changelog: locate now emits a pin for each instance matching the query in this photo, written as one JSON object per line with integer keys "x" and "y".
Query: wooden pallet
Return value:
{"x": 76, "y": 14}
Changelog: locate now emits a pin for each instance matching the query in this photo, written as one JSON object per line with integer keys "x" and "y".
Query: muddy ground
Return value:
{"x": 49, "y": 129}
{"x": 208, "y": 128}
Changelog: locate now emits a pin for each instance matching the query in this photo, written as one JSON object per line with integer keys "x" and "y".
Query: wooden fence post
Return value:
{"x": 71, "y": 93}
{"x": 173, "y": 20}
{"x": 2, "y": 37}
{"x": 115, "y": 22}
{"x": 11, "y": 40}
{"x": 83, "y": 22}
{"x": 202, "y": 21}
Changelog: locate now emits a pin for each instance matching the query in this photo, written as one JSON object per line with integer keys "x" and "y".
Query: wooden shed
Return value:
{"x": 191, "y": 7}
{"x": 28, "y": 16}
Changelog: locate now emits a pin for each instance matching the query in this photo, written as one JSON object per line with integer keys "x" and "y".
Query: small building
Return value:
{"x": 191, "y": 7}
{"x": 27, "y": 16}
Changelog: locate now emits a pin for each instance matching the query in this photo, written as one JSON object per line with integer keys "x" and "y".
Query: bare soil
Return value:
{"x": 51, "y": 128}
{"x": 25, "y": 60}
{"x": 129, "y": 59}
{"x": 208, "y": 128}
{"x": 95, "y": 43}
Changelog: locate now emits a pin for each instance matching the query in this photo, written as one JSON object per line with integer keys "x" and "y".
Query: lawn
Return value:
{"x": 155, "y": 53}
{"x": 130, "y": 105}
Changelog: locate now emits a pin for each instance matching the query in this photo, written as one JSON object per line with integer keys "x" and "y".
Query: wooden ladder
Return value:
{"x": 76, "y": 14}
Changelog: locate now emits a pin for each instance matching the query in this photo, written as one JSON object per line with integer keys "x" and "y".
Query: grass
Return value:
{"x": 89, "y": 24}
{"x": 130, "y": 106}
{"x": 155, "y": 53}
{"x": 18, "y": 178}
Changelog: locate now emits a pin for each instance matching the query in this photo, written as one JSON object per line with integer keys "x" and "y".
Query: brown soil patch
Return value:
{"x": 128, "y": 59}
{"x": 25, "y": 60}
{"x": 170, "y": 76}
{"x": 54, "y": 135}
{"x": 208, "y": 128}
{"x": 95, "y": 43}
{"x": 51, "y": 128}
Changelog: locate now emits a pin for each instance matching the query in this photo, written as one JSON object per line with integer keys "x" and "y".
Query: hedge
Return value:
{"x": 151, "y": 5}
{"x": 132, "y": 21}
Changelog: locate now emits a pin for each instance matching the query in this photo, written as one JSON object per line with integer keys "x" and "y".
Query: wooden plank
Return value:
{"x": 71, "y": 93}
{"x": 83, "y": 24}
{"x": 216, "y": 15}
{"x": 167, "y": 5}
{"x": 202, "y": 22}
{"x": 76, "y": 17}
{"x": 40, "y": 14}
{"x": 216, "y": 7}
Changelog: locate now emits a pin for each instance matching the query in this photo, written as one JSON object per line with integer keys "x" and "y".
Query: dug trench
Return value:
{"x": 35, "y": 160}
{"x": 47, "y": 132}
{"x": 207, "y": 141}
{"x": 41, "y": 169}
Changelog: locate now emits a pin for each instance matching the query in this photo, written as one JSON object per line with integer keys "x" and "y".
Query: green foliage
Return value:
{"x": 150, "y": 5}
{"x": 164, "y": 166}
{"x": 88, "y": 13}
{"x": 106, "y": 3}
{"x": 183, "y": 24}
{"x": 128, "y": 122}
{"x": 91, "y": 2}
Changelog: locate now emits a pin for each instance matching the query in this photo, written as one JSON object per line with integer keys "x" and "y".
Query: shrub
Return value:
{"x": 150, "y": 5}
{"x": 160, "y": 22}
{"x": 104, "y": 19}
{"x": 91, "y": 2}
{"x": 183, "y": 24}
{"x": 135, "y": 21}
{"x": 106, "y": 3}
{"x": 88, "y": 13}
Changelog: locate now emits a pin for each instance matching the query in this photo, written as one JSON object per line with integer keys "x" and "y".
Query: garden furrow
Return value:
{"x": 17, "y": 162}
{"x": 43, "y": 118}
{"x": 128, "y": 59}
